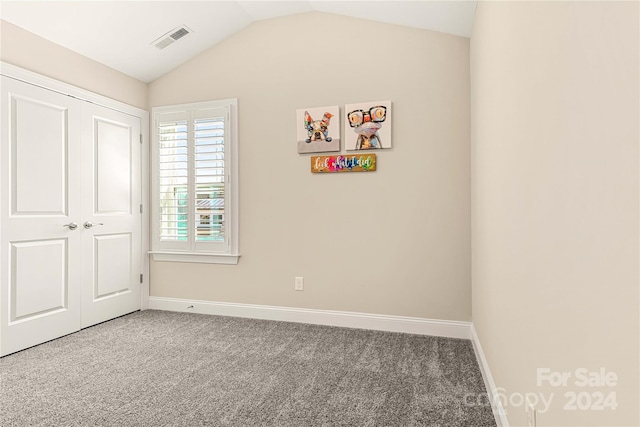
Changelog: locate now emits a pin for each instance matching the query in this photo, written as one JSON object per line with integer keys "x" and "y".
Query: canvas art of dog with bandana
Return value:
{"x": 318, "y": 129}
{"x": 369, "y": 126}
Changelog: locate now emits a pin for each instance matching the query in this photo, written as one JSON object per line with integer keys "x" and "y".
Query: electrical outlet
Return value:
{"x": 299, "y": 286}
{"x": 531, "y": 414}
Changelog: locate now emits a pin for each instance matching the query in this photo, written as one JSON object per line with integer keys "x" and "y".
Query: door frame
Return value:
{"x": 30, "y": 77}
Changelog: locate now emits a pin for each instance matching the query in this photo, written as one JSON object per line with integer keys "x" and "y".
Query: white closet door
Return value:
{"x": 70, "y": 221}
{"x": 111, "y": 220}
{"x": 40, "y": 203}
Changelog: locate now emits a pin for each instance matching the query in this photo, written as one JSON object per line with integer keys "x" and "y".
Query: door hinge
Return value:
{"x": 140, "y": 138}
{"x": 140, "y": 207}
{"x": 141, "y": 277}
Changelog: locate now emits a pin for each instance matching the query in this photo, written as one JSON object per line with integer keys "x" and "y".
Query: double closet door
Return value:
{"x": 70, "y": 230}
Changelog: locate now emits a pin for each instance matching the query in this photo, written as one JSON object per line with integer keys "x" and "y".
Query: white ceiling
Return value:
{"x": 119, "y": 33}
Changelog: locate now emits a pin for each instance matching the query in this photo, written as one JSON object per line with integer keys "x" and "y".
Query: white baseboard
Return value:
{"x": 410, "y": 325}
{"x": 496, "y": 405}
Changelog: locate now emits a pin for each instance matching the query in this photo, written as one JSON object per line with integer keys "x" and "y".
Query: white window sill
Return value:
{"x": 200, "y": 257}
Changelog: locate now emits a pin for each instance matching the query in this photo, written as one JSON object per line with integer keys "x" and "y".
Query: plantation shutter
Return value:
{"x": 173, "y": 180}
{"x": 191, "y": 178}
{"x": 210, "y": 178}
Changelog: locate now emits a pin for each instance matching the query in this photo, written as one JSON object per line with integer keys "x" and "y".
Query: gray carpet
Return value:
{"x": 157, "y": 368}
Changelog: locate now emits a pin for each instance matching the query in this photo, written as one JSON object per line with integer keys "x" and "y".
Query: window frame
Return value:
{"x": 193, "y": 250}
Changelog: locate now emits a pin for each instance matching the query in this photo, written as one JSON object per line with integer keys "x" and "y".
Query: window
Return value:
{"x": 195, "y": 212}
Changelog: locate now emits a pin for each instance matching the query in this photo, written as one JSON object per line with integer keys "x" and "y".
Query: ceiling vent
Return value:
{"x": 171, "y": 37}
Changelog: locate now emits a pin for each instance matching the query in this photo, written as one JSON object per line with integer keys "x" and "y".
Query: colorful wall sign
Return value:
{"x": 343, "y": 163}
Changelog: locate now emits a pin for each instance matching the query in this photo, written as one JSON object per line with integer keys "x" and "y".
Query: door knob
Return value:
{"x": 71, "y": 225}
{"x": 88, "y": 224}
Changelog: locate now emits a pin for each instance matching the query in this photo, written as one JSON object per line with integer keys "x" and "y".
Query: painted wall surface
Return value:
{"x": 29, "y": 51}
{"x": 555, "y": 109}
{"x": 395, "y": 241}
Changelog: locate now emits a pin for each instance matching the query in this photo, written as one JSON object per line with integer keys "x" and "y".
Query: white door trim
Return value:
{"x": 45, "y": 82}
{"x": 18, "y": 73}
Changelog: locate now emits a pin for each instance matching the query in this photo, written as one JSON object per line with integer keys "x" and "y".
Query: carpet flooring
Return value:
{"x": 156, "y": 368}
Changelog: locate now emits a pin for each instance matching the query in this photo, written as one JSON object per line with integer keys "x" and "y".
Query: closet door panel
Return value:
{"x": 39, "y": 203}
{"x": 39, "y": 146}
{"x": 111, "y": 211}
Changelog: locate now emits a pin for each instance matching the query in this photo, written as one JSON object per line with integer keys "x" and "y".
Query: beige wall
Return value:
{"x": 395, "y": 241}
{"x": 29, "y": 51}
{"x": 554, "y": 106}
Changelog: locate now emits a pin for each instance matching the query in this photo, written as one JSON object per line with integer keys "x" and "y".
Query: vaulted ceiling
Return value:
{"x": 121, "y": 34}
